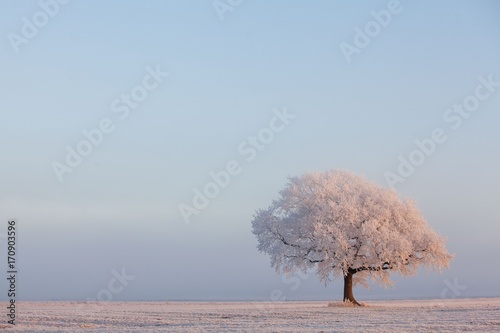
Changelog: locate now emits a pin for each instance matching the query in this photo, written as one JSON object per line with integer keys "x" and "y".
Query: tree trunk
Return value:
{"x": 348, "y": 295}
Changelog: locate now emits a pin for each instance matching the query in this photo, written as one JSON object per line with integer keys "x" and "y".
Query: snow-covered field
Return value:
{"x": 466, "y": 315}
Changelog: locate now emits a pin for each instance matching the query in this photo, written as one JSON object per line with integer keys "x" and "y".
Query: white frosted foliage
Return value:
{"x": 338, "y": 222}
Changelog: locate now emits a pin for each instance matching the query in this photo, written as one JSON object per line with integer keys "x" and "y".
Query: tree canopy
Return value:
{"x": 345, "y": 227}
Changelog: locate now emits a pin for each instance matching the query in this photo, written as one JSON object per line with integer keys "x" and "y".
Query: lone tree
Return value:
{"x": 346, "y": 227}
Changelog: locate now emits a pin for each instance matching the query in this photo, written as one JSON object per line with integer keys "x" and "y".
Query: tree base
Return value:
{"x": 352, "y": 302}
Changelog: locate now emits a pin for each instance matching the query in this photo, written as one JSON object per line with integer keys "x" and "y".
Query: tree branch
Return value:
{"x": 385, "y": 266}
{"x": 305, "y": 257}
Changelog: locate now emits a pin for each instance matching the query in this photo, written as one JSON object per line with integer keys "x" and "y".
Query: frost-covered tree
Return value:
{"x": 346, "y": 227}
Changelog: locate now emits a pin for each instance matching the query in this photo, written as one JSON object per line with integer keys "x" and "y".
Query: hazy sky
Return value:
{"x": 350, "y": 92}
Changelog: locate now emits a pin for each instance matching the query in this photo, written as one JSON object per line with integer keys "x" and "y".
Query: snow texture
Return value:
{"x": 453, "y": 315}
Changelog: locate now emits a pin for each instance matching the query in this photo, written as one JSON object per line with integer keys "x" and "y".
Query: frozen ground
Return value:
{"x": 467, "y": 315}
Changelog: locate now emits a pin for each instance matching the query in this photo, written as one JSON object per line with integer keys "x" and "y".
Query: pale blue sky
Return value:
{"x": 119, "y": 208}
